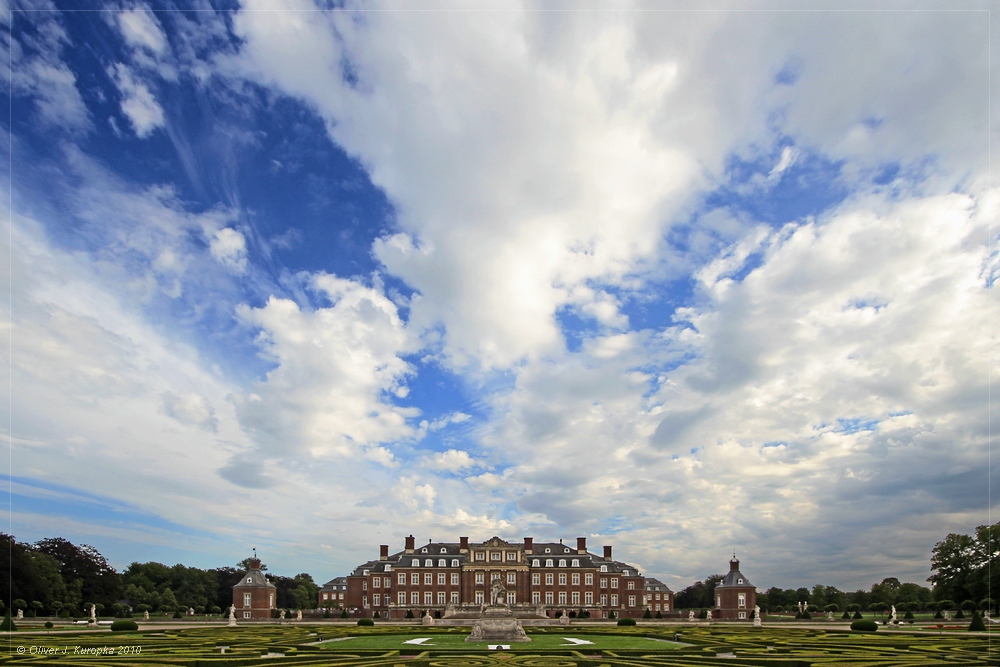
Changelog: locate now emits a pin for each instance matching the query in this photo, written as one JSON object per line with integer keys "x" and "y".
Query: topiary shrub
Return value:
{"x": 938, "y": 614}
{"x": 959, "y": 614}
{"x": 704, "y": 614}
{"x": 857, "y": 616}
{"x": 343, "y": 614}
{"x": 409, "y": 613}
{"x": 806, "y": 615}
{"x": 846, "y": 616}
{"x": 612, "y": 615}
{"x": 864, "y": 625}
{"x": 626, "y": 621}
{"x": 798, "y": 614}
{"x": 659, "y": 614}
{"x": 648, "y": 614}
{"x": 977, "y": 624}
{"x": 177, "y": 614}
{"x": 376, "y": 615}
{"x": 365, "y": 621}
{"x": 7, "y": 625}
{"x": 124, "y": 625}
{"x": 908, "y": 616}
{"x": 48, "y": 625}
{"x": 326, "y": 614}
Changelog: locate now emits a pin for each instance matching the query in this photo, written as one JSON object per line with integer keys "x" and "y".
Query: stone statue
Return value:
{"x": 20, "y": 614}
{"x": 93, "y": 612}
{"x": 892, "y": 617}
{"x": 756, "y": 616}
{"x": 281, "y": 616}
{"x": 691, "y": 615}
{"x": 298, "y": 615}
{"x": 145, "y": 615}
{"x": 190, "y": 611}
{"x": 802, "y": 607}
{"x": 498, "y": 594}
{"x": 232, "y": 615}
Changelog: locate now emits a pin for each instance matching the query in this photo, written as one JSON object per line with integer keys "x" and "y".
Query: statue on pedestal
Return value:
{"x": 232, "y": 615}
{"x": 756, "y": 616}
{"x": 145, "y": 615}
{"x": 298, "y": 615}
{"x": 498, "y": 594}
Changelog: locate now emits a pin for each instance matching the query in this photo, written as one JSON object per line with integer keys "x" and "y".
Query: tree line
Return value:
{"x": 55, "y": 577}
{"x": 965, "y": 571}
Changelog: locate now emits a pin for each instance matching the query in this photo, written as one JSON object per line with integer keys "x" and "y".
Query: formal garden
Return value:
{"x": 347, "y": 646}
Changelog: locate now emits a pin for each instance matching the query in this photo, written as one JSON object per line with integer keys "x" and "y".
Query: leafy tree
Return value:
{"x": 168, "y": 601}
{"x": 98, "y": 580}
{"x": 244, "y": 565}
{"x": 952, "y": 560}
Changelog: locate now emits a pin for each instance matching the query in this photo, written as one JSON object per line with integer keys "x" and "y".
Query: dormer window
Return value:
{"x": 364, "y": 572}
{"x": 443, "y": 550}
{"x": 576, "y": 562}
{"x": 454, "y": 562}
{"x": 548, "y": 562}
{"x": 424, "y": 550}
{"x": 249, "y": 580}
{"x": 442, "y": 562}
{"x": 416, "y": 562}
{"x": 547, "y": 550}
{"x": 388, "y": 568}
{"x": 604, "y": 568}
{"x": 562, "y": 562}
{"x": 429, "y": 563}
{"x": 565, "y": 551}
{"x": 739, "y": 581}
{"x": 536, "y": 563}
{"x": 626, "y": 573}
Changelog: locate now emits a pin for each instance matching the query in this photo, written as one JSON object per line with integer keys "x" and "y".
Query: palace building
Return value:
{"x": 735, "y": 596}
{"x": 547, "y": 578}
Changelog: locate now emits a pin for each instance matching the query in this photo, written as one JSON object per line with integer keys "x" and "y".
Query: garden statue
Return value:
{"x": 281, "y": 616}
{"x": 145, "y": 615}
{"x": 232, "y": 616}
{"x": 947, "y": 614}
{"x": 691, "y": 615}
{"x": 756, "y": 616}
{"x": 20, "y": 614}
{"x": 892, "y": 616}
{"x": 498, "y": 594}
{"x": 298, "y": 615}
{"x": 190, "y": 611}
{"x": 829, "y": 616}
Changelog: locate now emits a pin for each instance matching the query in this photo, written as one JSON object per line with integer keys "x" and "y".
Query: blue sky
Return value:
{"x": 310, "y": 279}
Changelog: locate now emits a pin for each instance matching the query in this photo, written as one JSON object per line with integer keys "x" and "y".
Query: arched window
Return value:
{"x": 442, "y": 562}
{"x": 429, "y": 562}
{"x": 443, "y": 550}
{"x": 548, "y": 562}
{"x": 536, "y": 563}
{"x": 604, "y": 568}
{"x": 454, "y": 562}
{"x": 576, "y": 562}
{"x": 424, "y": 550}
{"x": 562, "y": 562}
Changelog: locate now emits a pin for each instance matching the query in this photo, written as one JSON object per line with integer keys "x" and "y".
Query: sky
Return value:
{"x": 682, "y": 278}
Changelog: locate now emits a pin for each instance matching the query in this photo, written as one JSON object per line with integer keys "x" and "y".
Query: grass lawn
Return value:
{"x": 416, "y": 642}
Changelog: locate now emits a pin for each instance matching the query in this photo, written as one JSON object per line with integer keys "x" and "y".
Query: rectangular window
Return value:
{"x": 377, "y": 599}
{"x": 614, "y": 582}
{"x": 480, "y": 555}
{"x": 588, "y": 579}
{"x": 415, "y": 579}
{"x": 742, "y": 597}
{"x": 414, "y": 598}
{"x": 562, "y": 578}
{"x": 440, "y": 597}
{"x": 631, "y": 600}
{"x": 440, "y": 578}
{"x": 402, "y": 598}
{"x": 364, "y": 585}
{"x": 548, "y": 597}
{"x": 377, "y": 582}
{"x": 536, "y": 597}
{"x": 536, "y": 579}
{"x": 631, "y": 585}
{"x": 454, "y": 598}
{"x": 480, "y": 578}
{"x": 401, "y": 579}
{"x": 388, "y": 582}
{"x": 428, "y": 578}
{"x": 246, "y": 599}
{"x": 246, "y": 614}
{"x": 666, "y": 607}
{"x": 743, "y": 614}
{"x": 495, "y": 555}
{"x": 562, "y": 597}
{"x": 454, "y": 578}
{"x": 657, "y": 596}
{"x": 549, "y": 578}
{"x": 428, "y": 598}
{"x": 511, "y": 578}
{"x": 511, "y": 555}
{"x": 364, "y": 600}
{"x": 326, "y": 596}
{"x": 341, "y": 596}
{"x": 588, "y": 598}
{"x": 479, "y": 597}
{"x": 604, "y": 600}
{"x": 614, "y": 600}
{"x": 604, "y": 582}
{"x": 511, "y": 599}
{"x": 575, "y": 597}
{"x": 576, "y": 579}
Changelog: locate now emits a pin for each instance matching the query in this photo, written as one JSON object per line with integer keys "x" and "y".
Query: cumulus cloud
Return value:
{"x": 452, "y": 460}
{"x": 141, "y": 30}
{"x": 229, "y": 246}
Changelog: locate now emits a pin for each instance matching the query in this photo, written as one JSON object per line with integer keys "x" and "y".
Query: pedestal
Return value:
{"x": 499, "y": 626}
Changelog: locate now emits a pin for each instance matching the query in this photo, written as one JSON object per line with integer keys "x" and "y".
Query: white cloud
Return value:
{"x": 138, "y": 104}
{"x": 141, "y": 30}
{"x": 452, "y": 460}
{"x": 191, "y": 409}
{"x": 229, "y": 246}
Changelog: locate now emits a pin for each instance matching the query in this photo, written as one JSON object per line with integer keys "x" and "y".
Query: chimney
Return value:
{"x": 409, "y": 544}
{"x": 383, "y": 552}
{"x": 527, "y": 544}
{"x": 463, "y": 545}
{"x": 607, "y": 552}
{"x": 254, "y": 564}
{"x": 581, "y": 545}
